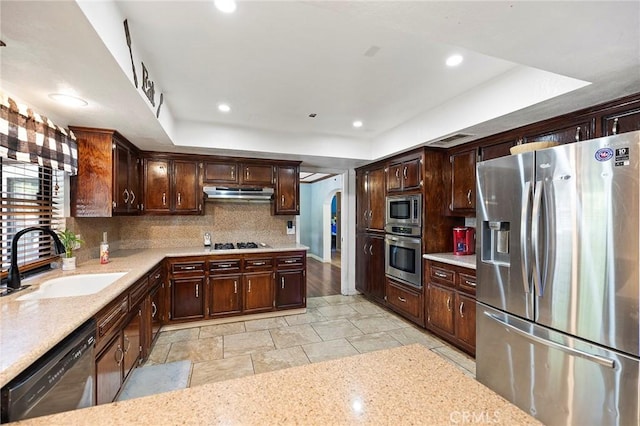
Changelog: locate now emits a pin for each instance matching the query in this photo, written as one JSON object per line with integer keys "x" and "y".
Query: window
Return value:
{"x": 32, "y": 195}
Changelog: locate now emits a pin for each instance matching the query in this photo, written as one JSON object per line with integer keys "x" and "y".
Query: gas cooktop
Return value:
{"x": 231, "y": 246}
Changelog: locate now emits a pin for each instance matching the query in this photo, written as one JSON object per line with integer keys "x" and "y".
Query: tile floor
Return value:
{"x": 333, "y": 327}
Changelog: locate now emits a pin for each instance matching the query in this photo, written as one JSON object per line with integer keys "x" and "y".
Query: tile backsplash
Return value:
{"x": 227, "y": 222}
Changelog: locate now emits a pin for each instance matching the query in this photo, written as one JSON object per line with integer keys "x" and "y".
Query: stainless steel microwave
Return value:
{"x": 403, "y": 210}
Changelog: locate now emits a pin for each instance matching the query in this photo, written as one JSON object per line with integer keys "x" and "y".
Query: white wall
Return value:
{"x": 315, "y": 206}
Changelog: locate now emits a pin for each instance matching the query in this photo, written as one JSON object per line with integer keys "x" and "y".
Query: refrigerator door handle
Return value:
{"x": 535, "y": 235}
{"x": 605, "y": 362}
{"x": 524, "y": 247}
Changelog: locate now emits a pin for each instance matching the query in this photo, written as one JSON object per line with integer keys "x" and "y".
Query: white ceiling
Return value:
{"x": 277, "y": 62}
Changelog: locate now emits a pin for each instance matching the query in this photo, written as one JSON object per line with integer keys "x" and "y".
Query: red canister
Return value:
{"x": 464, "y": 240}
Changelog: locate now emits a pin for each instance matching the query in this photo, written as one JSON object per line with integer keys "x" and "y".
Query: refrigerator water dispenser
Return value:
{"x": 495, "y": 242}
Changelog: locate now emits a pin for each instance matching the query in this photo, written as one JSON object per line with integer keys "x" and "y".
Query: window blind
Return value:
{"x": 32, "y": 195}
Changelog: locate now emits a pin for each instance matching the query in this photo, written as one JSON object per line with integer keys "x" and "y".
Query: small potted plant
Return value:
{"x": 70, "y": 241}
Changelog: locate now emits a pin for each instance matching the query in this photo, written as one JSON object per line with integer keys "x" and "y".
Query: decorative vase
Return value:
{"x": 68, "y": 263}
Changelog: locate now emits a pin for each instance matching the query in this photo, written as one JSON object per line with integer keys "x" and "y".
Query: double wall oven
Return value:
{"x": 403, "y": 239}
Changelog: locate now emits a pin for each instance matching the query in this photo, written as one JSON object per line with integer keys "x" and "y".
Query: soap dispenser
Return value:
{"x": 104, "y": 250}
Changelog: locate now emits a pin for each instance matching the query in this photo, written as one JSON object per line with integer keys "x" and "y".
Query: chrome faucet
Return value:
{"x": 13, "y": 277}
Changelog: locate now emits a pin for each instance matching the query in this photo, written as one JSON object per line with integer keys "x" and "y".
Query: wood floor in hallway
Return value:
{"x": 323, "y": 279}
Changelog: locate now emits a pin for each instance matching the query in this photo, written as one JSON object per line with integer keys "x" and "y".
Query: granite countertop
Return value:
{"x": 453, "y": 259}
{"x": 28, "y": 329}
{"x": 409, "y": 385}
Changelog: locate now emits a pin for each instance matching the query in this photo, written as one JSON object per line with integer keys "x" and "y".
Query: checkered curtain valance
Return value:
{"x": 29, "y": 137}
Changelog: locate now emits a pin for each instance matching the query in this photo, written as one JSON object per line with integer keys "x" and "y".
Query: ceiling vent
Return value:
{"x": 450, "y": 140}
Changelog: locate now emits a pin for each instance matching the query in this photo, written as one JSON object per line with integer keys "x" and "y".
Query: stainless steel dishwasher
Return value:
{"x": 61, "y": 380}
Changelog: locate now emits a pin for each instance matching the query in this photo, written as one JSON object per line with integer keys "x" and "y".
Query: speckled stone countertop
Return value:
{"x": 28, "y": 329}
{"x": 405, "y": 385}
{"x": 453, "y": 259}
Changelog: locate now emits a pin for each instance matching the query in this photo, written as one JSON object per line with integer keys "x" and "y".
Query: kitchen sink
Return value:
{"x": 73, "y": 285}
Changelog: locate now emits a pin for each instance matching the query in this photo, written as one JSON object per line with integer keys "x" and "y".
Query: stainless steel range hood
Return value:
{"x": 230, "y": 194}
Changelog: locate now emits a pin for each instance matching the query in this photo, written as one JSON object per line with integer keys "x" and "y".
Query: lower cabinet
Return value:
{"x": 109, "y": 371}
{"x": 258, "y": 292}
{"x": 451, "y": 305}
{"x": 405, "y": 300}
{"x": 370, "y": 278}
{"x": 225, "y": 295}
{"x": 132, "y": 341}
{"x": 290, "y": 289}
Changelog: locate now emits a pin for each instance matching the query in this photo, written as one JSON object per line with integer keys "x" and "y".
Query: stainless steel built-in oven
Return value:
{"x": 403, "y": 210}
{"x": 403, "y": 259}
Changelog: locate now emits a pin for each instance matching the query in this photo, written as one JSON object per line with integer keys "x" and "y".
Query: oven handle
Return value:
{"x": 403, "y": 240}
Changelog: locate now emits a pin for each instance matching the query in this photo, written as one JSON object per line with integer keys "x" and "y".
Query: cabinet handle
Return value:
{"x": 125, "y": 195}
{"x": 469, "y": 197}
{"x": 461, "y": 308}
{"x": 126, "y": 339}
{"x": 233, "y": 174}
{"x": 154, "y": 309}
{"x": 402, "y": 299}
{"x": 471, "y": 283}
{"x": 164, "y": 199}
{"x": 259, "y": 263}
{"x": 578, "y": 134}
{"x": 197, "y": 291}
{"x": 247, "y": 173}
{"x": 370, "y": 216}
{"x": 449, "y": 304}
{"x": 290, "y": 261}
{"x": 404, "y": 173}
{"x": 440, "y": 274}
{"x": 235, "y": 287}
{"x": 157, "y": 276}
{"x": 282, "y": 201}
{"x": 364, "y": 248}
{"x": 249, "y": 290}
{"x": 282, "y": 282}
{"x": 397, "y": 173}
{"x": 179, "y": 199}
{"x": 614, "y": 130}
{"x": 115, "y": 354}
{"x": 371, "y": 249}
{"x": 133, "y": 197}
{"x": 188, "y": 268}
{"x": 225, "y": 265}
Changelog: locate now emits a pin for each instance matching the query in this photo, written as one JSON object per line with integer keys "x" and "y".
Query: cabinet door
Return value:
{"x": 187, "y": 192}
{"x": 131, "y": 343}
{"x": 627, "y": 121}
{"x": 187, "y": 298}
{"x": 496, "y": 150}
{"x": 405, "y": 301}
{"x": 574, "y": 133}
{"x": 362, "y": 200}
{"x": 120, "y": 178}
{"x": 411, "y": 175}
{"x": 221, "y": 172}
{"x": 287, "y": 191}
{"x": 225, "y": 296}
{"x": 135, "y": 198}
{"x": 362, "y": 264}
{"x": 466, "y": 320}
{"x": 394, "y": 177}
{"x": 376, "y": 267}
{"x": 290, "y": 289}
{"x": 109, "y": 371}
{"x": 258, "y": 292}
{"x": 257, "y": 174}
{"x": 157, "y": 308}
{"x": 463, "y": 181}
{"x": 376, "y": 194}
{"x": 440, "y": 305}
{"x": 156, "y": 185}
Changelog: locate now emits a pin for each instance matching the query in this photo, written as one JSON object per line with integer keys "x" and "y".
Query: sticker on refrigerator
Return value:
{"x": 604, "y": 154}
{"x": 622, "y": 157}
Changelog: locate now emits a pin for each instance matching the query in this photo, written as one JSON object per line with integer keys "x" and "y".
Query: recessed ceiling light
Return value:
{"x": 225, "y": 6}
{"x": 68, "y": 100}
{"x": 454, "y": 60}
{"x": 224, "y": 108}
{"x": 357, "y": 124}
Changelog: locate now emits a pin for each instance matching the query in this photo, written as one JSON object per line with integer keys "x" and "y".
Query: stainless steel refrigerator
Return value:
{"x": 558, "y": 327}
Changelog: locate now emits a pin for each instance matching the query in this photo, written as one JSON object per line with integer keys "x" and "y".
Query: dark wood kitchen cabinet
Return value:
{"x": 370, "y": 199}
{"x": 258, "y": 292}
{"x": 154, "y": 310}
{"x": 370, "y": 278}
{"x": 451, "y": 304}
{"x": 405, "y": 300}
{"x": 291, "y": 280}
{"x": 621, "y": 122}
{"x": 132, "y": 341}
{"x": 257, "y": 174}
{"x": 172, "y": 186}
{"x": 579, "y": 131}
{"x": 109, "y": 372}
{"x": 221, "y": 172}
{"x": 287, "y": 190}
{"x": 186, "y": 289}
{"x": 108, "y": 179}
{"x": 404, "y": 174}
{"x": 225, "y": 286}
{"x": 463, "y": 183}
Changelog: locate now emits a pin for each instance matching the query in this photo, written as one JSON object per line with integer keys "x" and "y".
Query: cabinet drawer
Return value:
{"x": 112, "y": 315}
{"x": 138, "y": 292}
{"x": 227, "y": 266}
{"x": 290, "y": 262}
{"x": 187, "y": 267}
{"x": 441, "y": 275}
{"x": 404, "y": 300}
{"x": 155, "y": 278}
{"x": 467, "y": 283}
{"x": 258, "y": 264}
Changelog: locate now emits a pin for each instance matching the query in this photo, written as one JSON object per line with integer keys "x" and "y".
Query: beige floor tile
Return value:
{"x": 222, "y": 329}
{"x": 196, "y": 350}
{"x": 367, "y": 308}
{"x": 158, "y": 354}
{"x": 221, "y": 369}
{"x": 332, "y": 349}
{"x": 247, "y": 343}
{"x": 178, "y": 335}
{"x": 457, "y": 357}
{"x": 377, "y": 323}
{"x": 312, "y": 315}
{"x": 316, "y": 302}
{"x": 373, "y": 342}
{"x": 265, "y": 324}
{"x": 279, "y": 359}
{"x": 296, "y": 335}
{"x": 411, "y": 335}
{"x": 339, "y": 299}
{"x": 338, "y": 311}
{"x": 336, "y": 329}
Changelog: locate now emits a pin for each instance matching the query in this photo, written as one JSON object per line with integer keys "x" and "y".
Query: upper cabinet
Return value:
{"x": 580, "y": 131}
{"x": 108, "y": 179}
{"x": 172, "y": 186}
{"x": 463, "y": 183}
{"x": 621, "y": 122}
{"x": 230, "y": 172}
{"x": 221, "y": 172}
{"x": 370, "y": 199}
{"x": 257, "y": 174}
{"x": 405, "y": 174}
{"x": 287, "y": 191}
